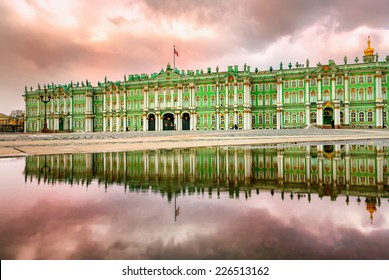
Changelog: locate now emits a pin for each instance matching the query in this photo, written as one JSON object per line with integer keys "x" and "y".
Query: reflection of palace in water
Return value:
{"x": 334, "y": 170}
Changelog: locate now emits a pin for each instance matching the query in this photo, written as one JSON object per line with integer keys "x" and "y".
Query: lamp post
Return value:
{"x": 45, "y": 98}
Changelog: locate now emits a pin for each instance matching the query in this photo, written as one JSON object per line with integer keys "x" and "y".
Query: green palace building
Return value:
{"x": 325, "y": 96}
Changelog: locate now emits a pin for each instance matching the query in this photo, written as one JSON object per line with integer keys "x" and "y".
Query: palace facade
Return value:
{"x": 325, "y": 96}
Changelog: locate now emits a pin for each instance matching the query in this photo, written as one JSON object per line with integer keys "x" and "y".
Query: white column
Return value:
{"x": 179, "y": 96}
{"x": 246, "y": 99}
{"x": 307, "y": 103}
{"x": 38, "y": 112}
{"x": 380, "y": 167}
{"x": 71, "y": 111}
{"x": 145, "y": 99}
{"x": 319, "y": 88}
{"x": 178, "y": 122}
{"x": 156, "y": 101}
{"x": 337, "y": 113}
{"x": 226, "y": 120}
{"x": 235, "y": 93}
{"x": 217, "y": 95}
{"x": 280, "y": 165}
{"x": 346, "y": 116}
{"x": 117, "y": 111}
{"x": 379, "y": 113}
{"x": 333, "y": 96}
{"x": 217, "y": 120}
{"x": 125, "y": 110}
{"x": 164, "y": 98}
{"x": 378, "y": 87}
{"x": 279, "y": 103}
{"x": 144, "y": 122}
{"x": 308, "y": 164}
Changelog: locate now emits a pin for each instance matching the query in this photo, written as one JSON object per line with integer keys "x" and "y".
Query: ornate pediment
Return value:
{"x": 168, "y": 74}
{"x": 331, "y": 67}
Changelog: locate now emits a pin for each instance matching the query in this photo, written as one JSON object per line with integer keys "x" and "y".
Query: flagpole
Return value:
{"x": 174, "y": 57}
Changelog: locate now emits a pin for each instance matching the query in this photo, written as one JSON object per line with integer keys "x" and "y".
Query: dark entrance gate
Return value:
{"x": 151, "y": 122}
{"x": 185, "y": 121}
{"x": 328, "y": 116}
{"x": 168, "y": 121}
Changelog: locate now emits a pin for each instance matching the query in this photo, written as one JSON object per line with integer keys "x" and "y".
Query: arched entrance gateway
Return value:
{"x": 185, "y": 121}
{"x": 168, "y": 121}
{"x": 328, "y": 117}
{"x": 151, "y": 122}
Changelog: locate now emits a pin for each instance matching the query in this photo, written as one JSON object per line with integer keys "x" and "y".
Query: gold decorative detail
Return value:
{"x": 369, "y": 50}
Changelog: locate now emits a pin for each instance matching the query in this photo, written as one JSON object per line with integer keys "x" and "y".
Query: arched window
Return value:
{"x": 370, "y": 116}
{"x": 240, "y": 99}
{"x": 240, "y": 119}
{"x": 260, "y": 119}
{"x": 294, "y": 118}
{"x": 369, "y": 79}
{"x": 370, "y": 93}
{"x": 286, "y": 118}
{"x": 360, "y": 94}
{"x": 253, "y": 100}
{"x": 326, "y": 95}
{"x": 313, "y": 118}
{"x": 352, "y": 80}
{"x": 313, "y": 96}
{"x": 222, "y": 119}
{"x": 286, "y": 97}
{"x": 205, "y": 120}
{"x": 301, "y": 118}
{"x": 339, "y": 95}
{"x": 213, "y": 119}
{"x": 205, "y": 101}
{"x": 231, "y": 99}
{"x": 361, "y": 117}
{"x": 267, "y": 119}
{"x": 353, "y": 117}
{"x": 301, "y": 97}
{"x": 275, "y": 119}
{"x": 294, "y": 98}
{"x": 360, "y": 80}
{"x": 222, "y": 100}
{"x": 253, "y": 119}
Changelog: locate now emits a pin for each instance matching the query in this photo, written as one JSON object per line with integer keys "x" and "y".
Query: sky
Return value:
{"x": 45, "y": 41}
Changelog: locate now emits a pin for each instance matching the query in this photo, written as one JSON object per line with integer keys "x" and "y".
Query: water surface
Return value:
{"x": 309, "y": 202}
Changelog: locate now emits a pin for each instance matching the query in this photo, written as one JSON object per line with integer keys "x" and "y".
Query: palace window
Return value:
{"x": 352, "y": 94}
{"x": 267, "y": 99}
{"x": 339, "y": 94}
{"x": 197, "y": 89}
{"x": 293, "y": 84}
{"x": 260, "y": 87}
{"x": 353, "y": 117}
{"x": 369, "y": 79}
{"x": 286, "y": 118}
{"x": 383, "y": 79}
{"x": 301, "y": 83}
{"x": 197, "y": 121}
{"x": 240, "y": 99}
{"x": 275, "y": 119}
{"x": 253, "y": 100}
{"x": 313, "y": 96}
{"x": 326, "y": 95}
{"x": 253, "y": 119}
{"x": 370, "y": 116}
{"x": 294, "y": 98}
{"x": 240, "y": 87}
{"x": 213, "y": 88}
{"x": 360, "y": 80}
{"x": 205, "y": 101}
{"x": 230, "y": 87}
{"x": 294, "y": 119}
{"x": 384, "y": 94}
{"x": 339, "y": 80}
{"x": 222, "y": 119}
{"x": 260, "y": 100}
{"x": 205, "y": 120}
{"x": 370, "y": 93}
{"x": 213, "y": 119}
{"x": 231, "y": 121}
{"x": 274, "y": 99}
{"x": 197, "y": 101}
{"x": 286, "y": 98}
{"x": 205, "y": 88}
{"x": 267, "y": 87}
{"x": 213, "y": 100}
{"x": 313, "y": 118}
{"x": 186, "y": 101}
{"x": 360, "y": 94}
{"x": 326, "y": 81}
{"x": 222, "y": 88}
{"x": 260, "y": 119}
{"x": 231, "y": 99}
{"x": 313, "y": 82}
{"x": 286, "y": 84}
{"x": 240, "y": 119}
{"x": 301, "y": 97}
{"x": 361, "y": 117}
{"x": 352, "y": 80}
{"x": 267, "y": 119}
{"x": 301, "y": 117}
{"x": 222, "y": 99}
{"x": 175, "y": 101}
